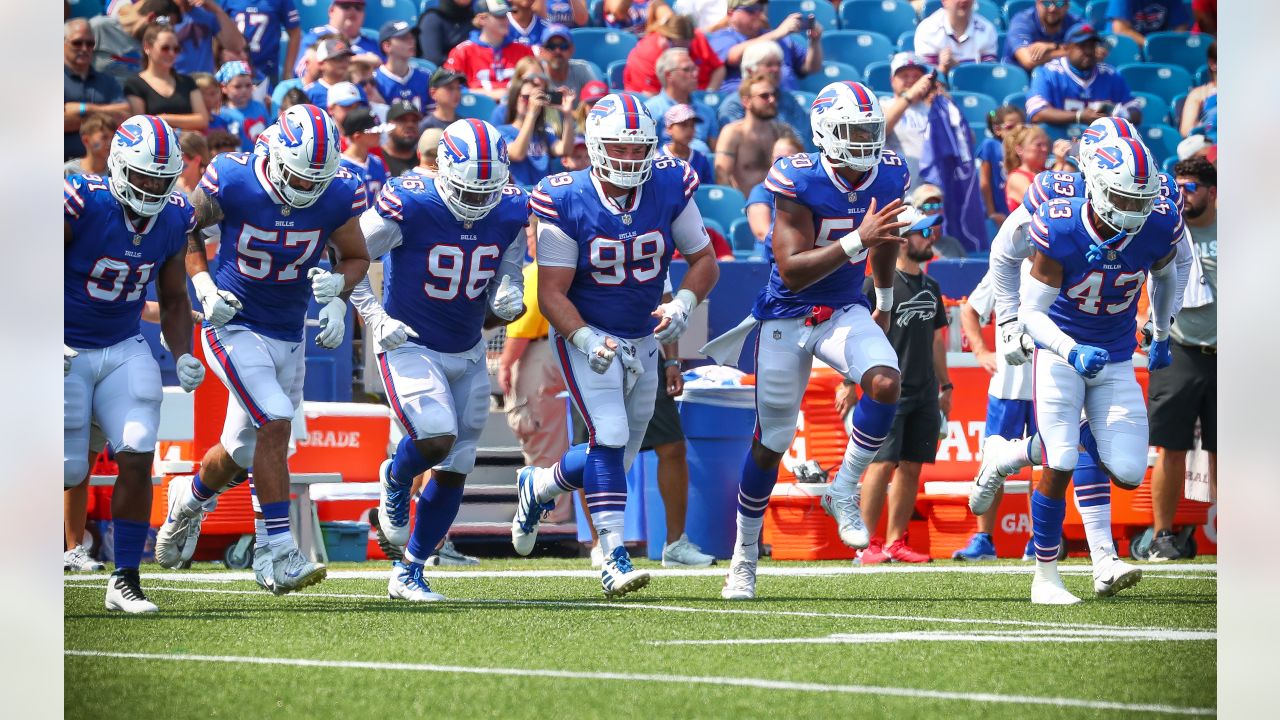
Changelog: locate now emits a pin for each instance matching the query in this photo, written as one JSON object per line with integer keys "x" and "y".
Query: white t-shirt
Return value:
{"x": 977, "y": 43}
{"x": 705, "y": 12}
{"x": 1008, "y": 383}
{"x": 908, "y": 136}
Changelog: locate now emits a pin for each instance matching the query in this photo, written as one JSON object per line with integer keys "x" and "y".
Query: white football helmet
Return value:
{"x": 145, "y": 162}
{"x": 1103, "y": 131}
{"x": 1123, "y": 183}
{"x": 621, "y": 119}
{"x": 848, "y": 125}
{"x": 304, "y": 149}
{"x": 474, "y": 167}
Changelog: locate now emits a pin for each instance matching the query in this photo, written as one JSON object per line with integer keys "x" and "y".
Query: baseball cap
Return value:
{"x": 923, "y": 193}
{"x": 344, "y": 94}
{"x": 680, "y": 113}
{"x": 736, "y": 4}
{"x": 358, "y": 120}
{"x": 400, "y": 108}
{"x": 393, "y": 29}
{"x": 907, "y": 59}
{"x": 559, "y": 31}
{"x": 918, "y": 220}
{"x": 593, "y": 91}
{"x": 1191, "y": 145}
{"x": 444, "y": 76}
{"x": 332, "y": 48}
{"x": 492, "y": 7}
{"x": 231, "y": 70}
{"x": 1081, "y": 32}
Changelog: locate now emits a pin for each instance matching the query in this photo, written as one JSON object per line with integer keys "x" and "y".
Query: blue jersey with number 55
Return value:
{"x": 268, "y": 246}
{"x": 110, "y": 260}
{"x": 1098, "y": 302}
{"x": 1047, "y": 185}
{"x": 838, "y": 209}
{"x": 437, "y": 278}
{"x": 623, "y": 252}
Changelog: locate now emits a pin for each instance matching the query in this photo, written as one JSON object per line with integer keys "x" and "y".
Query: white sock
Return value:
{"x": 1048, "y": 571}
{"x": 609, "y": 524}
{"x": 280, "y": 544}
{"x": 259, "y": 532}
{"x": 1097, "y": 530}
{"x": 410, "y": 559}
{"x": 855, "y": 462}
{"x": 747, "y": 545}
{"x": 544, "y": 484}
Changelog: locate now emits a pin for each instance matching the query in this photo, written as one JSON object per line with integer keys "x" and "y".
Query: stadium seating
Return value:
{"x": 85, "y": 8}
{"x": 602, "y": 46}
{"x": 425, "y": 66}
{"x": 830, "y": 72}
{"x": 1161, "y": 139}
{"x": 974, "y": 106}
{"x": 1013, "y": 7}
{"x": 716, "y": 226}
{"x": 855, "y": 47}
{"x": 615, "y": 71}
{"x": 1175, "y": 110}
{"x": 710, "y": 99}
{"x": 1167, "y": 81}
{"x": 720, "y": 203}
{"x": 1153, "y": 107}
{"x": 980, "y": 132}
{"x": 986, "y": 8}
{"x": 1096, "y": 15}
{"x": 312, "y": 13}
{"x": 1202, "y": 75}
{"x": 994, "y": 79}
{"x": 890, "y": 18}
{"x": 1124, "y": 50}
{"x": 1185, "y": 49}
{"x": 877, "y": 76}
{"x": 907, "y": 41}
{"x": 822, "y": 10}
{"x": 377, "y": 12}
{"x": 742, "y": 239}
{"x": 476, "y": 106}
{"x": 804, "y": 98}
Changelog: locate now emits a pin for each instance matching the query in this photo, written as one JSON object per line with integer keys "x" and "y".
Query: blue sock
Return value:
{"x": 201, "y": 491}
{"x": 437, "y": 507}
{"x": 872, "y": 421}
{"x": 755, "y": 487}
{"x": 1047, "y": 515}
{"x": 407, "y": 463}
{"x": 605, "y": 480}
{"x": 128, "y": 537}
{"x": 571, "y": 471}
{"x": 1090, "y": 444}
{"x": 276, "y": 517}
{"x": 1092, "y": 486}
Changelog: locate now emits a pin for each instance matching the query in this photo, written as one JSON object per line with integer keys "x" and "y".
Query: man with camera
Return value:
{"x": 1077, "y": 89}
{"x": 748, "y": 24}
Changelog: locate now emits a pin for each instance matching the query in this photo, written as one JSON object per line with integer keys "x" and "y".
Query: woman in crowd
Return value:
{"x": 1026, "y": 150}
{"x": 531, "y": 140}
{"x": 160, "y": 91}
{"x": 990, "y": 156}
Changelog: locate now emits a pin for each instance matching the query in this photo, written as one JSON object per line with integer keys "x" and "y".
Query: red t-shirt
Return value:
{"x": 640, "y": 75}
{"x": 485, "y": 66}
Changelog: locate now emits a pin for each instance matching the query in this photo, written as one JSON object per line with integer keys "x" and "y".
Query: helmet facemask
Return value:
{"x": 624, "y": 173}
{"x": 282, "y": 176}
{"x": 855, "y": 144}
{"x": 470, "y": 199}
{"x": 1124, "y": 209}
{"x": 146, "y": 193}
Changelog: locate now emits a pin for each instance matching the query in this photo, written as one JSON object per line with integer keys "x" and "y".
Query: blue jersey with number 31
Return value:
{"x": 623, "y": 254}
{"x": 838, "y": 209}
{"x": 267, "y": 246}
{"x": 1098, "y": 302}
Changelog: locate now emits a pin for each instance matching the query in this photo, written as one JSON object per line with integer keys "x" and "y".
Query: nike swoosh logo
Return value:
{"x": 651, "y": 352}
{"x": 140, "y": 339}
{"x": 293, "y": 574}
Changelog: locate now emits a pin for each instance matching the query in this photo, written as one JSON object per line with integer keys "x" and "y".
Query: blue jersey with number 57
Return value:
{"x": 1098, "y": 302}
{"x": 838, "y": 209}
{"x": 267, "y": 246}
{"x": 1047, "y": 185}
{"x": 623, "y": 252}
{"x": 437, "y": 278}
{"x": 110, "y": 260}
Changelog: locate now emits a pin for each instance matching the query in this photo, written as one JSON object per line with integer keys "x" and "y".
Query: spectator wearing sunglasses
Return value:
{"x": 1036, "y": 35}
{"x": 85, "y": 91}
{"x": 159, "y": 90}
{"x": 556, "y": 55}
{"x": 927, "y": 199}
{"x": 118, "y": 36}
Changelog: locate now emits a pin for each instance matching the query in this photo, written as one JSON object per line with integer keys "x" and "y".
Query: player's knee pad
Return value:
{"x": 776, "y": 417}
{"x": 240, "y": 443}
{"x": 1127, "y": 472}
{"x": 1062, "y": 458}
{"x": 610, "y": 431}
{"x": 74, "y": 468}
{"x": 461, "y": 458}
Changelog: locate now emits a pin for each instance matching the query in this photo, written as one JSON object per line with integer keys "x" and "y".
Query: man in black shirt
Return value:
{"x": 917, "y": 327}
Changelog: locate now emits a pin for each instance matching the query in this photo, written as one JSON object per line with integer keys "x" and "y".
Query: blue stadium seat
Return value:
{"x": 1175, "y": 110}
{"x": 830, "y": 72}
{"x": 890, "y": 18}
{"x": 710, "y": 99}
{"x": 1169, "y": 164}
{"x": 876, "y": 76}
{"x": 615, "y": 71}
{"x": 1013, "y": 7}
{"x": 855, "y": 47}
{"x": 1018, "y": 100}
{"x": 1167, "y": 81}
{"x": 1202, "y": 75}
{"x": 804, "y": 98}
{"x": 907, "y": 41}
{"x": 720, "y": 203}
{"x": 377, "y": 12}
{"x": 986, "y": 8}
{"x": 602, "y": 46}
{"x": 598, "y": 71}
{"x": 1161, "y": 139}
{"x": 822, "y": 10}
{"x": 974, "y": 106}
{"x": 425, "y": 66}
{"x": 741, "y": 238}
{"x": 980, "y": 132}
{"x": 1189, "y": 50}
{"x": 312, "y": 13}
{"x": 1096, "y": 15}
{"x": 476, "y": 106}
{"x": 715, "y": 225}
{"x": 85, "y": 8}
{"x": 1153, "y": 107}
{"x": 370, "y": 35}
{"x": 1123, "y": 50}
{"x": 994, "y": 79}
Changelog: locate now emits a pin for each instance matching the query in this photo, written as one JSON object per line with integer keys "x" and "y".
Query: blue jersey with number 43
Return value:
{"x": 267, "y": 246}
{"x": 623, "y": 255}
{"x": 1047, "y": 185}
{"x": 110, "y": 261}
{"x": 838, "y": 209}
{"x": 1098, "y": 302}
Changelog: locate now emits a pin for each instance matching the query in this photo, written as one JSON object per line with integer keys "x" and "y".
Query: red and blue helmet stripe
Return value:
{"x": 484, "y": 159}
{"x": 630, "y": 111}
{"x": 318, "y": 125}
{"x": 1121, "y": 129}
{"x": 1141, "y": 161}
{"x": 860, "y": 95}
{"x": 163, "y": 146}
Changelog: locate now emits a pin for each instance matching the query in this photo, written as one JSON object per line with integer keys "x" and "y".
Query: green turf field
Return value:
{"x": 838, "y": 644}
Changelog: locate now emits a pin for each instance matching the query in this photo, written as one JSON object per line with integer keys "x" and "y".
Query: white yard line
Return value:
{"x": 677, "y": 680}
{"x": 1006, "y": 636}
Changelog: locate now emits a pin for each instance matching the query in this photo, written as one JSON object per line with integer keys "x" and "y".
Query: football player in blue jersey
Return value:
{"x": 456, "y": 247}
{"x": 276, "y": 215}
{"x": 1091, "y": 258}
{"x": 120, "y": 233}
{"x": 836, "y": 211}
{"x": 606, "y": 235}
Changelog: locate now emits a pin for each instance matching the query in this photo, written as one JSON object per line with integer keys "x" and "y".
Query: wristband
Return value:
{"x": 84, "y": 108}
{"x": 945, "y": 387}
{"x": 884, "y": 299}
{"x": 580, "y": 338}
{"x": 687, "y": 297}
{"x": 670, "y": 363}
{"x": 1078, "y": 114}
{"x": 203, "y": 284}
{"x": 852, "y": 244}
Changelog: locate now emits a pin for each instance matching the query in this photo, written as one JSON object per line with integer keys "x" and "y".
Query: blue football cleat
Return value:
{"x": 407, "y": 583}
{"x": 393, "y": 507}
{"x": 529, "y": 512}
{"x": 979, "y": 548}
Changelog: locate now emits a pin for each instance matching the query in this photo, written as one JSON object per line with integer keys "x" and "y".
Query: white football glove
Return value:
{"x": 67, "y": 355}
{"x": 389, "y": 333}
{"x": 676, "y": 313}
{"x": 598, "y": 347}
{"x": 333, "y": 324}
{"x": 325, "y": 285}
{"x": 1014, "y": 344}
{"x": 632, "y": 367}
{"x": 219, "y": 305}
{"x": 190, "y": 372}
{"x": 508, "y": 301}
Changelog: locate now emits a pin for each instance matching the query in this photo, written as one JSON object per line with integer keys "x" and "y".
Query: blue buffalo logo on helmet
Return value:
{"x": 1108, "y": 158}
{"x": 130, "y": 135}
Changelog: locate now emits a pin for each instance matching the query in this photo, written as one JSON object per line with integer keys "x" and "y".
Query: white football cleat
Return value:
{"x": 176, "y": 539}
{"x": 740, "y": 583}
{"x": 683, "y": 553}
{"x": 843, "y": 505}
{"x": 529, "y": 512}
{"x": 618, "y": 577}
{"x": 1047, "y": 587}
{"x": 989, "y": 479}
{"x": 407, "y": 583}
{"x": 597, "y": 557}
{"x": 393, "y": 507}
{"x": 77, "y": 560}
{"x": 448, "y": 554}
{"x": 124, "y": 593}
{"x": 263, "y": 574}
{"x": 1111, "y": 575}
{"x": 294, "y": 572}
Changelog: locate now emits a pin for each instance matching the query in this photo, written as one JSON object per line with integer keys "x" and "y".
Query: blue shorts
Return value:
{"x": 1010, "y": 419}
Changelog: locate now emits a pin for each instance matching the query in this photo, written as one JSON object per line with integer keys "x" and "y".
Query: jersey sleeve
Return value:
{"x": 188, "y": 214}
{"x": 289, "y": 15}
{"x": 782, "y": 179}
{"x": 541, "y": 201}
{"x": 209, "y": 181}
{"x": 1170, "y": 191}
{"x": 1037, "y": 192}
{"x": 1040, "y": 95}
{"x": 359, "y": 195}
{"x": 73, "y": 194}
{"x": 1038, "y": 230}
{"x": 390, "y": 202}
{"x": 894, "y": 163}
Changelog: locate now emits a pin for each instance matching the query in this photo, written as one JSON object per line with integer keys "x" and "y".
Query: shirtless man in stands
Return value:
{"x": 743, "y": 152}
